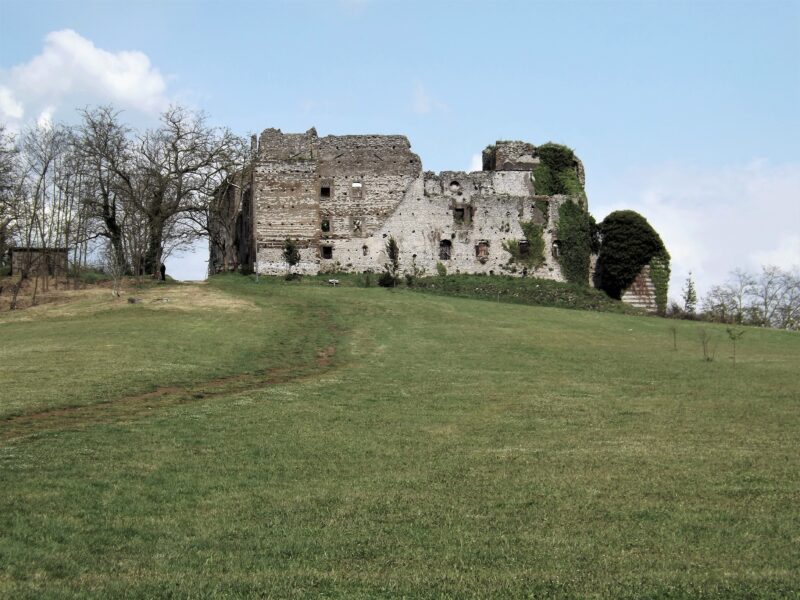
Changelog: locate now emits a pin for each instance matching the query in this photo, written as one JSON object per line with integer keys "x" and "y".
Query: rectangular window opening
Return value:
{"x": 327, "y": 252}
{"x": 325, "y": 191}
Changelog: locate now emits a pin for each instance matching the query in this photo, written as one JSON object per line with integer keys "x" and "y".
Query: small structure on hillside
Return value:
{"x": 52, "y": 262}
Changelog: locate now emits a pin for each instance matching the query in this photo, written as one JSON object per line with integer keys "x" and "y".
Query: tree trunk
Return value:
{"x": 152, "y": 257}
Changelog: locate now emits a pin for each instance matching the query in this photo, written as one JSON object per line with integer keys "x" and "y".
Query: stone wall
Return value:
{"x": 641, "y": 293}
{"x": 342, "y": 197}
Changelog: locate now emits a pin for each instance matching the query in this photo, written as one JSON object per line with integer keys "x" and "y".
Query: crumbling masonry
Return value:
{"x": 341, "y": 197}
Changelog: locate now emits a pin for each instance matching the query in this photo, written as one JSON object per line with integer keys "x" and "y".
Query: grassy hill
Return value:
{"x": 274, "y": 439}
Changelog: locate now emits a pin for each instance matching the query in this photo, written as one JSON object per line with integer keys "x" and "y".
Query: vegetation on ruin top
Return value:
{"x": 556, "y": 173}
{"x": 307, "y": 440}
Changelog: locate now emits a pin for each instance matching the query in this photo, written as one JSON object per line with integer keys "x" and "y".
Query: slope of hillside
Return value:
{"x": 315, "y": 441}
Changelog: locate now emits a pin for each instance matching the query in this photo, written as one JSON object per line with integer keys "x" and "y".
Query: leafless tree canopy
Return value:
{"x": 770, "y": 298}
{"x": 119, "y": 196}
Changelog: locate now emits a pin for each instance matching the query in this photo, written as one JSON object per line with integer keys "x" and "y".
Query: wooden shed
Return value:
{"x": 43, "y": 261}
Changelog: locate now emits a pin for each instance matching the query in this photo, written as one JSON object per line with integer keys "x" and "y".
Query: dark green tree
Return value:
{"x": 689, "y": 295}
{"x": 391, "y": 273}
{"x": 628, "y": 243}
{"x": 291, "y": 254}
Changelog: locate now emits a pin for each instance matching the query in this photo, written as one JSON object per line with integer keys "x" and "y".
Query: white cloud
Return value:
{"x": 70, "y": 70}
{"x": 10, "y": 107}
{"x": 45, "y": 120}
{"x": 476, "y": 163}
{"x": 785, "y": 253}
{"x": 423, "y": 103}
{"x": 716, "y": 220}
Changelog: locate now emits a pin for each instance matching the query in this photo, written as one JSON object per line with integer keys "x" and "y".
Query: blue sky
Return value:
{"x": 684, "y": 111}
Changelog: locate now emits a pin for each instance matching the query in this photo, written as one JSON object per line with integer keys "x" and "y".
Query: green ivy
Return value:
{"x": 576, "y": 235}
{"x": 534, "y": 236}
{"x": 557, "y": 173}
{"x": 659, "y": 275}
{"x": 544, "y": 207}
{"x": 629, "y": 243}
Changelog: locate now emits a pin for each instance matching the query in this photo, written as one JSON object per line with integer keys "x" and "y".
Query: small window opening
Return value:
{"x": 357, "y": 189}
{"x": 556, "y": 249}
{"x": 454, "y": 186}
{"x": 482, "y": 250}
{"x": 458, "y": 215}
{"x": 445, "y": 249}
{"x": 325, "y": 225}
{"x": 325, "y": 191}
{"x": 364, "y": 250}
{"x": 327, "y": 252}
{"x": 524, "y": 248}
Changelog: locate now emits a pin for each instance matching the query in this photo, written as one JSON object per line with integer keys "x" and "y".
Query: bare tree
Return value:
{"x": 729, "y": 302}
{"x": 9, "y": 182}
{"x": 36, "y": 207}
{"x": 113, "y": 267}
{"x": 769, "y": 299}
{"x": 181, "y": 164}
{"x": 767, "y": 293}
{"x": 103, "y": 147}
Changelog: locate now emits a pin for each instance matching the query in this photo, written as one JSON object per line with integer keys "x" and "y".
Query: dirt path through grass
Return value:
{"x": 313, "y": 353}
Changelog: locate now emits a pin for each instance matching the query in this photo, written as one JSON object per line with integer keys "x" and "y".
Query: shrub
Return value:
{"x": 387, "y": 280}
{"x": 365, "y": 279}
{"x": 414, "y": 273}
{"x": 391, "y": 274}
{"x": 441, "y": 269}
{"x": 291, "y": 254}
{"x": 542, "y": 292}
{"x": 628, "y": 244}
{"x": 534, "y": 256}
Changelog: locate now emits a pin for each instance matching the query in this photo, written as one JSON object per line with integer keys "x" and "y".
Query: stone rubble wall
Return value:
{"x": 346, "y": 195}
{"x": 642, "y": 292}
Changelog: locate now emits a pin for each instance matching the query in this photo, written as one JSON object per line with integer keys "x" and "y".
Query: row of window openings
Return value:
{"x": 326, "y": 252}
{"x": 356, "y": 190}
{"x": 482, "y": 249}
{"x": 446, "y": 250}
{"x": 325, "y": 225}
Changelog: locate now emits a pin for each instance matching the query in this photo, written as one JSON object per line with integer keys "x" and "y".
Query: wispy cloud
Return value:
{"x": 424, "y": 103}
{"x": 71, "y": 69}
{"x": 716, "y": 220}
{"x": 476, "y": 164}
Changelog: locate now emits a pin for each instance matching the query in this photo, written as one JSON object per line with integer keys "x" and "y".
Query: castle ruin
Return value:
{"x": 341, "y": 197}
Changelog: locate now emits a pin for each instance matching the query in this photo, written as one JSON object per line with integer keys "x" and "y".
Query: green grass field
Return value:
{"x": 286, "y": 440}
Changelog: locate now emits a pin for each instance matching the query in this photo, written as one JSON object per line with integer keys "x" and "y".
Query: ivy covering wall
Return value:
{"x": 556, "y": 173}
{"x": 577, "y": 236}
{"x": 534, "y": 256}
{"x": 629, "y": 243}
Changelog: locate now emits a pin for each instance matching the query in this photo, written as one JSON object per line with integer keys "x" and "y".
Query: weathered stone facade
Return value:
{"x": 342, "y": 197}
